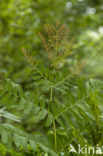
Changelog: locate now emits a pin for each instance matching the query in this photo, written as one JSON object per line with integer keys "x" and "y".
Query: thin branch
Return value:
{"x": 66, "y": 109}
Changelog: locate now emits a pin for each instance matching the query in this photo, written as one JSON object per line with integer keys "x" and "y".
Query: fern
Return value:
{"x": 60, "y": 110}
{"x": 11, "y": 134}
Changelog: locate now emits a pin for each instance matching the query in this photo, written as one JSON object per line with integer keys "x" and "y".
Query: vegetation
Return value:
{"x": 50, "y": 78}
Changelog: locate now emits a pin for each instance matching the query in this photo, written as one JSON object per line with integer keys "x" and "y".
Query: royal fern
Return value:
{"x": 61, "y": 109}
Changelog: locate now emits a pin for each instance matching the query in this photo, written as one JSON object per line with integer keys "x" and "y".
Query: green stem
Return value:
{"x": 54, "y": 127}
{"x": 51, "y": 94}
{"x": 55, "y": 137}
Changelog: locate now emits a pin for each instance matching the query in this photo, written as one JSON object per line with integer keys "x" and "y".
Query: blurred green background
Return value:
{"x": 22, "y": 20}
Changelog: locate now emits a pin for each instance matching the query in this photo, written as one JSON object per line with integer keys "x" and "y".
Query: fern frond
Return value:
{"x": 8, "y": 115}
{"x": 10, "y": 94}
{"x": 22, "y": 139}
{"x": 80, "y": 113}
{"x": 29, "y": 58}
{"x": 57, "y": 46}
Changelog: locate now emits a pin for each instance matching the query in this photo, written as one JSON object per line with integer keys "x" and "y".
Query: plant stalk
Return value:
{"x": 54, "y": 127}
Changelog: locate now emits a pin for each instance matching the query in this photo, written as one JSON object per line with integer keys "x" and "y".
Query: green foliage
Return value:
{"x": 52, "y": 104}
{"x": 60, "y": 109}
{"x": 77, "y": 116}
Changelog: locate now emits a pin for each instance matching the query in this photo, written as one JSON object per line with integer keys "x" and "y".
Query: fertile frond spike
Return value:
{"x": 78, "y": 67}
{"x": 29, "y": 58}
{"x": 57, "y": 45}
